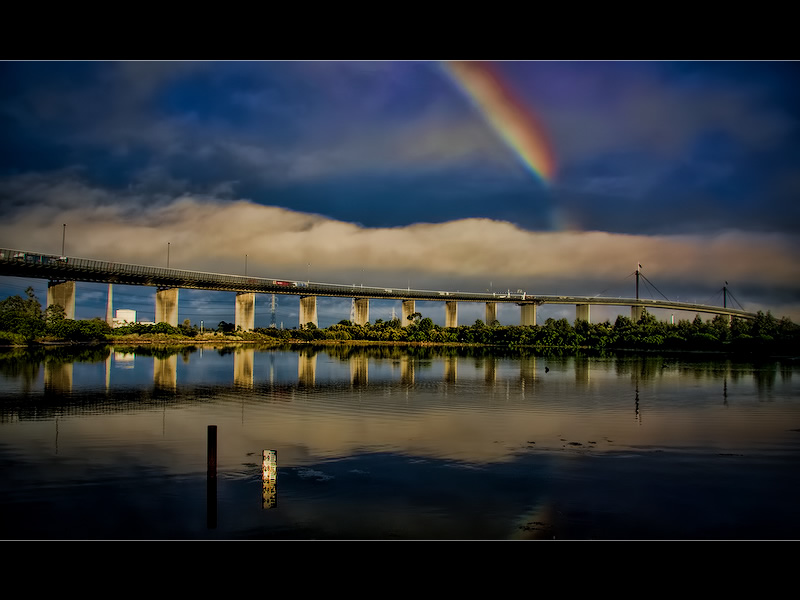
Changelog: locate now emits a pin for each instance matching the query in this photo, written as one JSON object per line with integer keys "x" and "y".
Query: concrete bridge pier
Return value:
{"x": 582, "y": 312}
{"x": 109, "y": 308}
{"x": 63, "y": 293}
{"x": 636, "y": 313}
{"x": 451, "y": 314}
{"x": 407, "y": 310}
{"x": 527, "y": 314}
{"x": 245, "y": 316}
{"x": 167, "y": 306}
{"x": 362, "y": 311}
{"x": 491, "y": 312}
{"x": 308, "y": 310}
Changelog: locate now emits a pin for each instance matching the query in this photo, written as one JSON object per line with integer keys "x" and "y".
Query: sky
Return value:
{"x": 547, "y": 176}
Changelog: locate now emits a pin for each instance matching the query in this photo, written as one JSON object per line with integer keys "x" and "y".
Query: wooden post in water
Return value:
{"x": 212, "y": 450}
{"x": 269, "y": 477}
{"x": 211, "y": 488}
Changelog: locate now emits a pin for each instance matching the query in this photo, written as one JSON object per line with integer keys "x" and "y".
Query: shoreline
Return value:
{"x": 223, "y": 340}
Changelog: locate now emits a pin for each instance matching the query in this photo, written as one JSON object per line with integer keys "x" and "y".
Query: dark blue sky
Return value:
{"x": 685, "y": 161}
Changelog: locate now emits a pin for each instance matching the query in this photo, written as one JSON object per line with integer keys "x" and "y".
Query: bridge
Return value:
{"x": 63, "y": 271}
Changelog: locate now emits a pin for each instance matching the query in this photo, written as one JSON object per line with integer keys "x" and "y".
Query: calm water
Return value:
{"x": 396, "y": 444}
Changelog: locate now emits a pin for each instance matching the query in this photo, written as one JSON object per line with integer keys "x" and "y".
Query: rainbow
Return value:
{"x": 517, "y": 125}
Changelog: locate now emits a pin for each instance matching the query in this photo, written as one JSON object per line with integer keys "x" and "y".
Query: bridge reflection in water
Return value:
{"x": 243, "y": 359}
{"x": 306, "y": 368}
{"x": 360, "y": 367}
{"x": 57, "y": 377}
{"x": 165, "y": 372}
{"x": 393, "y": 368}
{"x": 58, "y": 374}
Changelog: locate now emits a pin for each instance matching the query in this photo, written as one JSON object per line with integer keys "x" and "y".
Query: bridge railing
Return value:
{"x": 98, "y": 266}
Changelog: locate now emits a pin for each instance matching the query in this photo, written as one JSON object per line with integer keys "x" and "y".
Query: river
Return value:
{"x": 392, "y": 443}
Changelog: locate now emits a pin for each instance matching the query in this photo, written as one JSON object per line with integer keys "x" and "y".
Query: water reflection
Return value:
{"x": 243, "y": 367}
{"x": 581, "y": 370}
{"x": 406, "y": 370}
{"x": 450, "y": 369}
{"x": 391, "y": 441}
{"x": 57, "y": 377}
{"x": 53, "y": 370}
{"x": 165, "y": 372}
{"x": 46, "y": 383}
{"x": 306, "y": 369}
{"x": 359, "y": 370}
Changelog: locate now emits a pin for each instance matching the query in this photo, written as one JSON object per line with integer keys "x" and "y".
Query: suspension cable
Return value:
{"x": 651, "y": 283}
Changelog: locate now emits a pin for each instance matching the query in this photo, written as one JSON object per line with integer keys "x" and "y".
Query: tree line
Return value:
{"x": 23, "y": 321}
{"x": 648, "y": 333}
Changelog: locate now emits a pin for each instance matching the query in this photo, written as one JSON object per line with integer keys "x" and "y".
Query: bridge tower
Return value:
{"x": 637, "y": 311}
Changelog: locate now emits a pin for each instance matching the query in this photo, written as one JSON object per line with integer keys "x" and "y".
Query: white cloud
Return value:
{"x": 209, "y": 234}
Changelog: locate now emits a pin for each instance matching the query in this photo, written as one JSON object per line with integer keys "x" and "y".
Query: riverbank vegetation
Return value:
{"x": 764, "y": 333}
{"x": 24, "y": 322}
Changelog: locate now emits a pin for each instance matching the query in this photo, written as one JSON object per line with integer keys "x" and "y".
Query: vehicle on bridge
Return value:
{"x": 37, "y": 259}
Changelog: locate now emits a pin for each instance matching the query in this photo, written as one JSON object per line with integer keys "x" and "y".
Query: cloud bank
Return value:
{"x": 211, "y": 234}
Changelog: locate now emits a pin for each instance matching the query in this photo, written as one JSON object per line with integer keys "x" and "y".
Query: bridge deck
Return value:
{"x": 21, "y": 263}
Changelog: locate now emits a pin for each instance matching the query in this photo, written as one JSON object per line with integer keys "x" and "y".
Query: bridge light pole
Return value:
{"x": 168, "y": 255}
{"x": 63, "y": 238}
{"x": 245, "y": 265}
